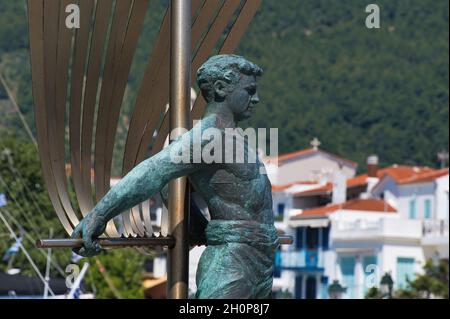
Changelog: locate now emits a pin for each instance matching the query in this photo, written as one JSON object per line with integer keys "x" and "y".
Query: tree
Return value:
{"x": 433, "y": 283}
{"x": 118, "y": 275}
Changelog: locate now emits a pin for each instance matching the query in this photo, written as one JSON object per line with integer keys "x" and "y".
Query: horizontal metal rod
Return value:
{"x": 127, "y": 242}
{"x": 285, "y": 240}
{"x": 108, "y": 242}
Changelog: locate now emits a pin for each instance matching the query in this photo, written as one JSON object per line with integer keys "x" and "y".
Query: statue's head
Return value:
{"x": 230, "y": 79}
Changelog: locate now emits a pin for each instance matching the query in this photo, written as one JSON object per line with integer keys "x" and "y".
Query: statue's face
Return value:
{"x": 242, "y": 97}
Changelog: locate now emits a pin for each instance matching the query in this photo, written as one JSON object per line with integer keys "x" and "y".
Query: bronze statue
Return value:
{"x": 241, "y": 237}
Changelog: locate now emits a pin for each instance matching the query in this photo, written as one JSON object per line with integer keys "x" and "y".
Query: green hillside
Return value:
{"x": 359, "y": 90}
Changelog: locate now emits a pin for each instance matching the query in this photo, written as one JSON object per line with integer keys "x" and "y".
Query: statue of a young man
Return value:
{"x": 241, "y": 237}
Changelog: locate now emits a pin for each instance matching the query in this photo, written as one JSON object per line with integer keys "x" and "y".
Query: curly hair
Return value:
{"x": 226, "y": 67}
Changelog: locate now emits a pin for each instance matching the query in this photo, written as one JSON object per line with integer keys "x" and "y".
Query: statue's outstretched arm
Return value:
{"x": 145, "y": 180}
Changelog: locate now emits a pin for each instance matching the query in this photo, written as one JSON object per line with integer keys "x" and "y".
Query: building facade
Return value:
{"x": 354, "y": 229}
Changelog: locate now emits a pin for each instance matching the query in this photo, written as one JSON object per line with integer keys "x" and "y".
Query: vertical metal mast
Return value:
{"x": 180, "y": 91}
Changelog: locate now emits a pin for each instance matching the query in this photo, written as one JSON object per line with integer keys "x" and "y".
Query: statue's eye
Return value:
{"x": 251, "y": 91}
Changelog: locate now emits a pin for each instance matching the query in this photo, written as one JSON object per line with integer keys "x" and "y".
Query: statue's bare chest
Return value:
{"x": 238, "y": 183}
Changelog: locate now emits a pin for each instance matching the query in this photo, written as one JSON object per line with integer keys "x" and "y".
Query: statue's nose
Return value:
{"x": 255, "y": 98}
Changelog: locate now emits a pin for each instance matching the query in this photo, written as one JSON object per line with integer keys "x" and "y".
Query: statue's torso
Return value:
{"x": 235, "y": 191}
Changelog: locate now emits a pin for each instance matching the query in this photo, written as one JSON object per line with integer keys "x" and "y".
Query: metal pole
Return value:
{"x": 180, "y": 97}
{"x": 47, "y": 268}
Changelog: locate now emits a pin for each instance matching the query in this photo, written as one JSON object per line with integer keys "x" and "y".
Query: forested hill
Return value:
{"x": 359, "y": 90}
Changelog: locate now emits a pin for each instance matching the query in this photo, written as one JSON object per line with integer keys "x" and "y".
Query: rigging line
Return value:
{"x": 17, "y": 109}
{"x": 33, "y": 241}
{"x": 21, "y": 210}
{"x": 24, "y": 251}
{"x": 105, "y": 276}
{"x": 31, "y": 195}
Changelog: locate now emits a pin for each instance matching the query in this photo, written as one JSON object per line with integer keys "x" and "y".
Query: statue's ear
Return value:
{"x": 220, "y": 89}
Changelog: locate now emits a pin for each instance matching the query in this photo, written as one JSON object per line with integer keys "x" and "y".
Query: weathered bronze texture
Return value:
{"x": 241, "y": 237}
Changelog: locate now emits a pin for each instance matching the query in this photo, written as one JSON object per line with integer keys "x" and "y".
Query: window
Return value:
{"x": 280, "y": 209}
{"x": 277, "y": 265}
{"x": 312, "y": 238}
{"x": 405, "y": 271}
{"x": 298, "y": 287}
{"x": 299, "y": 238}
{"x": 325, "y": 237}
{"x": 311, "y": 288}
{"x": 348, "y": 275}
{"x": 324, "y": 287}
{"x": 412, "y": 209}
{"x": 427, "y": 212}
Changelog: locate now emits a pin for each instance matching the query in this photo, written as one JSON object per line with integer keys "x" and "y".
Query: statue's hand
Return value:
{"x": 90, "y": 228}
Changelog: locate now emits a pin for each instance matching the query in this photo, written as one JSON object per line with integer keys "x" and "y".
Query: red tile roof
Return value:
{"x": 321, "y": 211}
{"x": 401, "y": 175}
{"x": 360, "y": 180}
{"x": 277, "y": 188}
{"x": 402, "y": 172}
{"x": 373, "y": 205}
{"x": 309, "y": 151}
{"x": 424, "y": 177}
{"x": 325, "y": 189}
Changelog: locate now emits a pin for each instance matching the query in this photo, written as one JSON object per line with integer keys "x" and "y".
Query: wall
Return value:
{"x": 391, "y": 252}
{"x": 442, "y": 199}
{"x": 420, "y": 192}
{"x": 310, "y": 167}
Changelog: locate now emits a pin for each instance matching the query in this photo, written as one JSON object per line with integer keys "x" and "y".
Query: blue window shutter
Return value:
{"x": 412, "y": 209}
{"x": 348, "y": 275}
{"x": 405, "y": 271}
{"x": 299, "y": 239}
{"x": 298, "y": 287}
{"x": 281, "y": 207}
{"x": 427, "y": 213}
{"x": 325, "y": 237}
{"x": 277, "y": 264}
{"x": 324, "y": 287}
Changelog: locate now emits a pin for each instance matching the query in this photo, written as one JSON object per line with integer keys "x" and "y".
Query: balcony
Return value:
{"x": 311, "y": 260}
{"x": 363, "y": 230}
{"x": 435, "y": 232}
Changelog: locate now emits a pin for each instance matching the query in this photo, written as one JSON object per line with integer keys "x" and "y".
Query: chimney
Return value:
{"x": 339, "y": 188}
{"x": 372, "y": 166}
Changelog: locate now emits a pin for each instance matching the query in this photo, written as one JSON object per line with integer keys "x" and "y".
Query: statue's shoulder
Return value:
{"x": 208, "y": 125}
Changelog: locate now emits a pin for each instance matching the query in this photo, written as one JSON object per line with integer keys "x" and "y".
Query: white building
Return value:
{"x": 355, "y": 230}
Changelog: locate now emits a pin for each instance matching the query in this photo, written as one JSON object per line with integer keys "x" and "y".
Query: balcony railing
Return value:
{"x": 383, "y": 228}
{"x": 435, "y": 228}
{"x": 312, "y": 259}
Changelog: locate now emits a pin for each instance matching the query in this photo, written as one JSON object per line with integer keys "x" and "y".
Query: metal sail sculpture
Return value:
{"x": 81, "y": 75}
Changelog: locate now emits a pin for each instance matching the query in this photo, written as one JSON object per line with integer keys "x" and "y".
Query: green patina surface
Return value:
{"x": 238, "y": 262}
